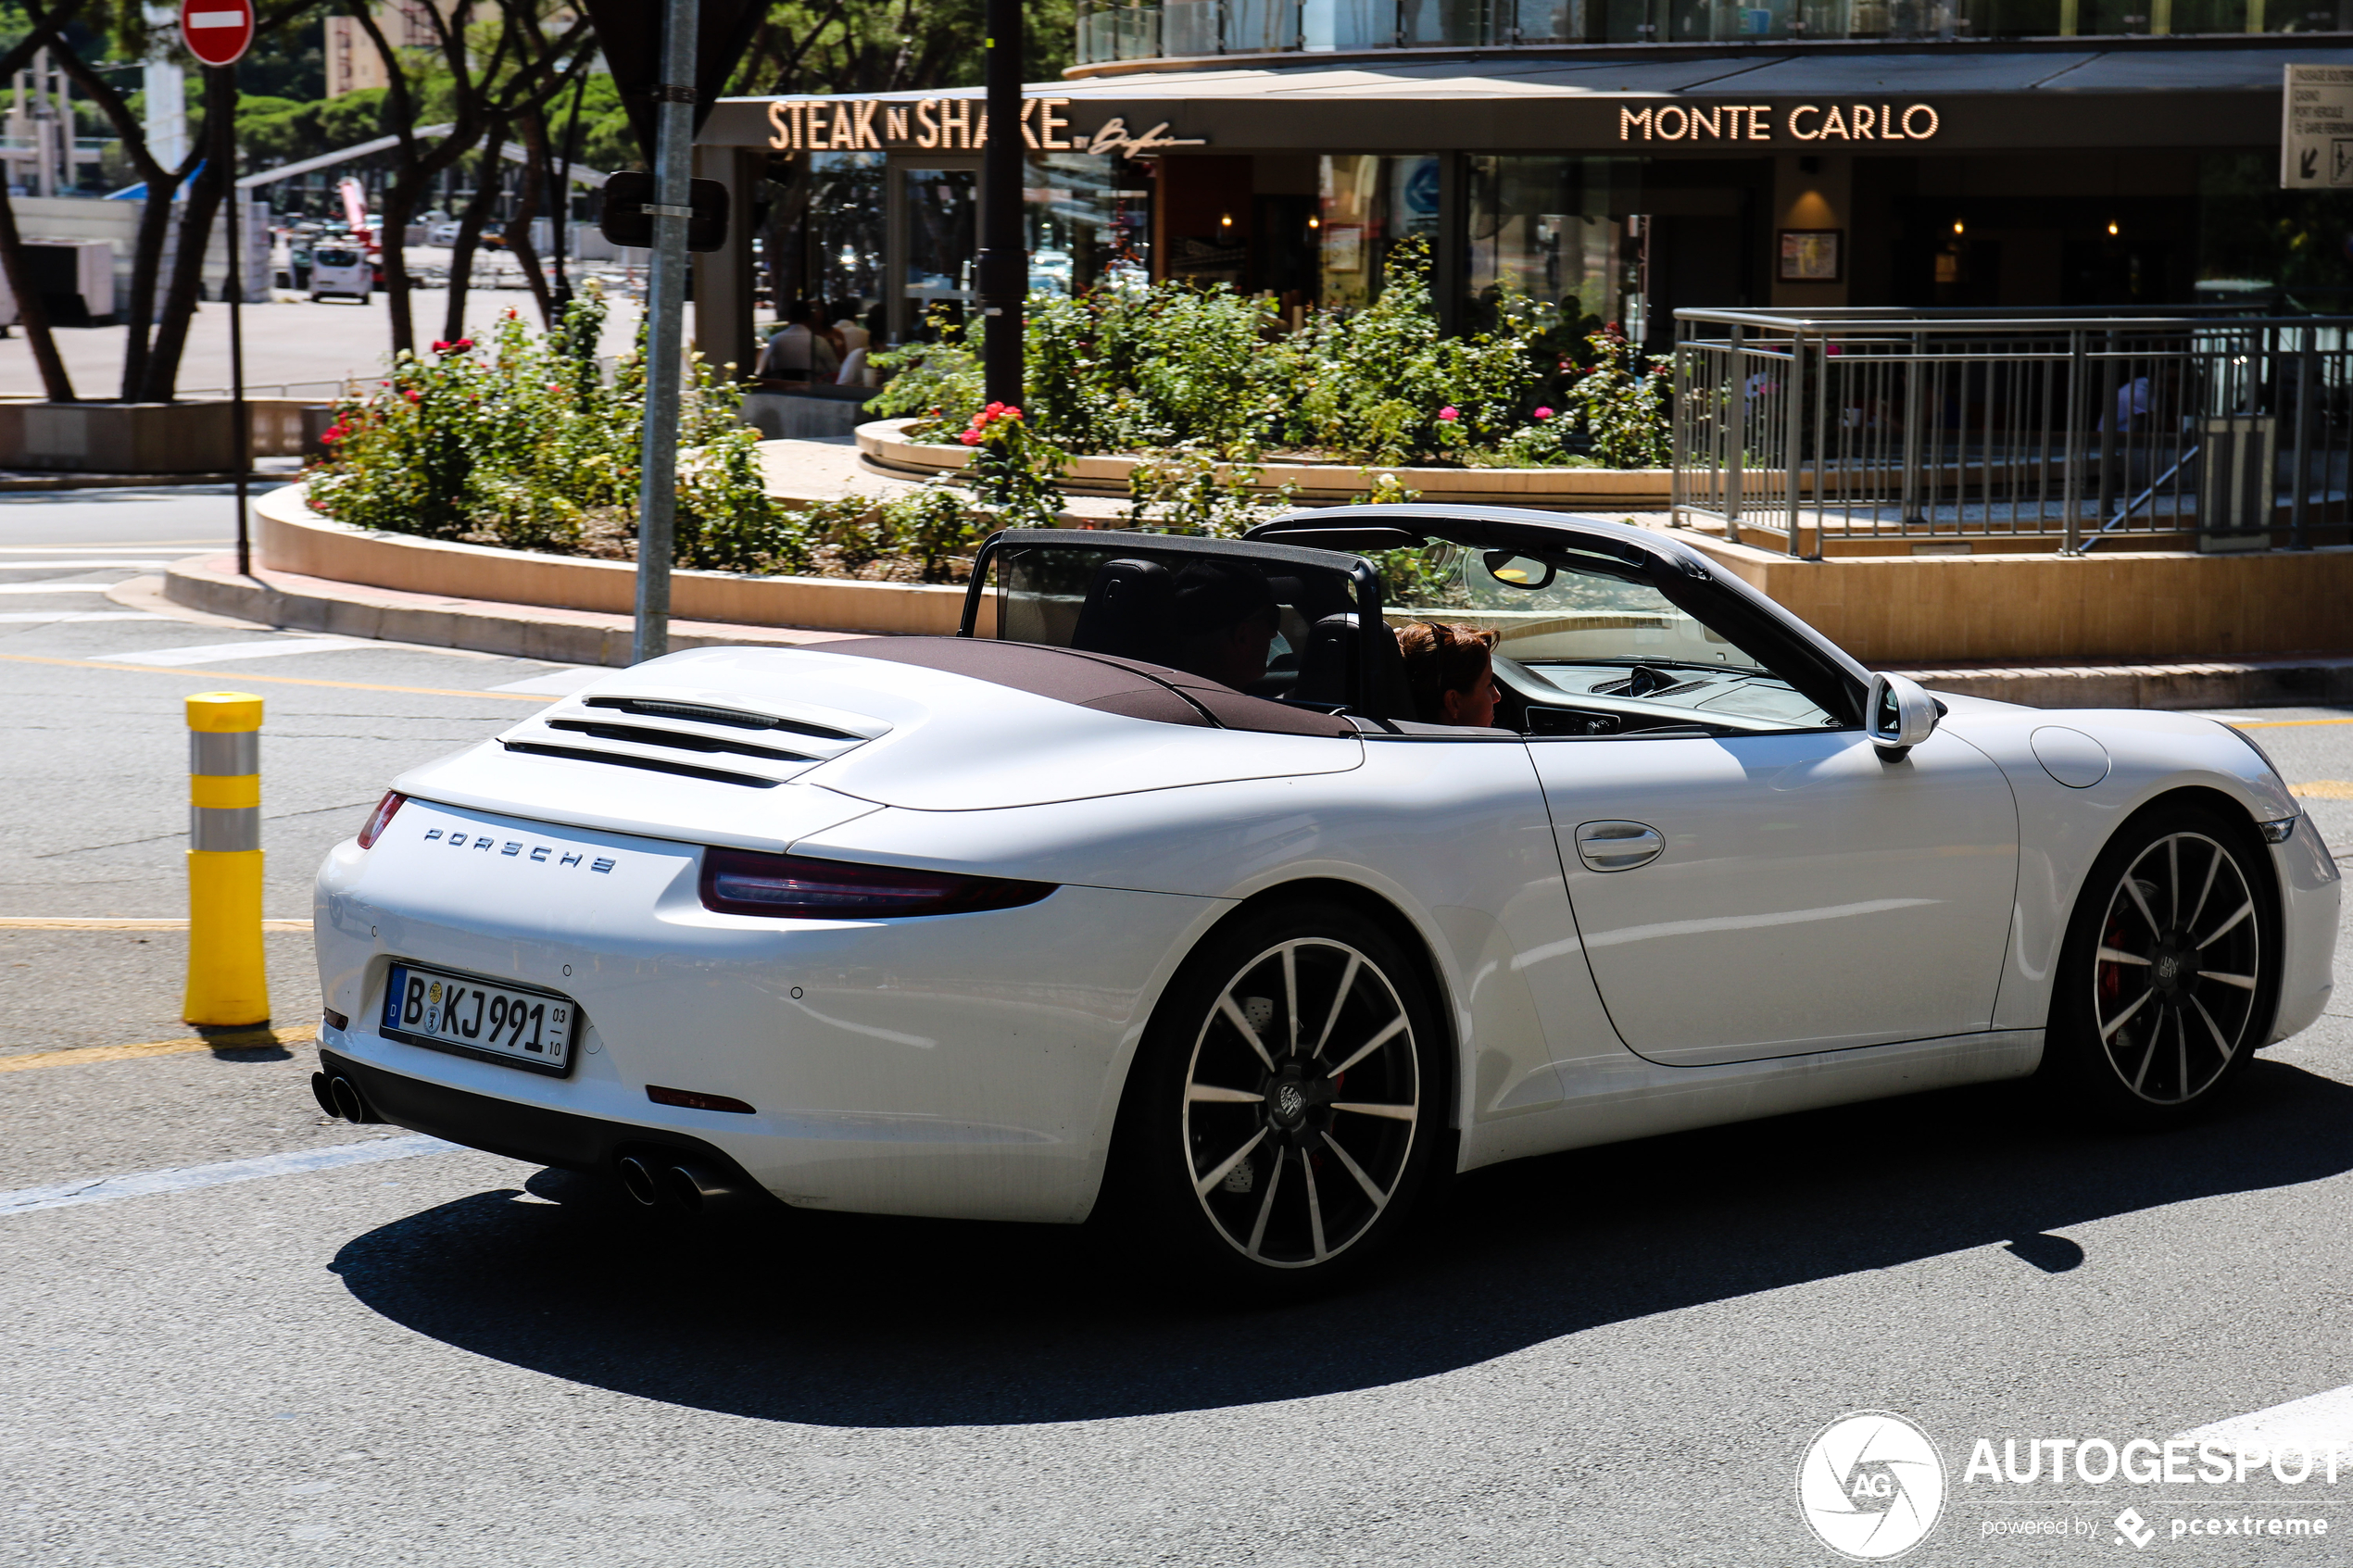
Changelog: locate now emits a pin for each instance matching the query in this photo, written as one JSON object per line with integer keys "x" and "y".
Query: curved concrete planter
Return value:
{"x": 885, "y": 448}
{"x": 295, "y": 539}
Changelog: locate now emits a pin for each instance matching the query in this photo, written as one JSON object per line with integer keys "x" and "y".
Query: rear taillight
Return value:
{"x": 381, "y": 818}
{"x": 742, "y": 882}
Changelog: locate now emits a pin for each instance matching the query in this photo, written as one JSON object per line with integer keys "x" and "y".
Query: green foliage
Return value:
{"x": 1622, "y": 406}
{"x": 521, "y": 441}
{"x": 1197, "y": 488}
{"x": 1198, "y": 374}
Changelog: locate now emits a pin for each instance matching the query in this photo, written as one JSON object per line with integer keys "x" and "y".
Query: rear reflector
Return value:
{"x": 741, "y": 881}
{"x": 694, "y": 1101}
{"x": 335, "y": 1020}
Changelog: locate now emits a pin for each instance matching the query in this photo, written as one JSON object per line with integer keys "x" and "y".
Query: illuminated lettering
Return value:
{"x": 1802, "y": 135}
{"x": 955, "y": 120}
{"x": 894, "y": 122}
{"x": 866, "y": 137}
{"x": 1760, "y": 123}
{"x": 845, "y": 135}
{"x": 927, "y": 123}
{"x": 1865, "y": 118}
{"x": 782, "y": 140}
{"x": 1628, "y": 120}
{"x": 1834, "y": 124}
{"x": 1682, "y": 122}
{"x": 1711, "y": 118}
{"x": 1933, "y": 122}
{"x": 1050, "y": 125}
{"x": 813, "y": 125}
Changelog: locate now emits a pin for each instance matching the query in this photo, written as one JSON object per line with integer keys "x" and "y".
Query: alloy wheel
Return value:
{"x": 2176, "y": 974}
{"x": 1302, "y": 1098}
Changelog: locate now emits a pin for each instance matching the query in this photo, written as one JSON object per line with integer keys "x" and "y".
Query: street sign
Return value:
{"x": 2316, "y": 129}
{"x": 622, "y": 217}
{"x": 217, "y": 32}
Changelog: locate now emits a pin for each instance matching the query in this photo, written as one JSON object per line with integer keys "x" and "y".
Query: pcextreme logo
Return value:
{"x": 1871, "y": 1486}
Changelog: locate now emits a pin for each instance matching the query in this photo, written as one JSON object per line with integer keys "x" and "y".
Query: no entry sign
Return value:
{"x": 217, "y": 32}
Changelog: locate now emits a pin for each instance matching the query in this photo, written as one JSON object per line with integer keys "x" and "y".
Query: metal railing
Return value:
{"x": 2197, "y": 426}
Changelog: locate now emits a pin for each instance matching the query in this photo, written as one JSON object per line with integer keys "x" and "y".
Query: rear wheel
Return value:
{"x": 2169, "y": 977}
{"x": 1287, "y": 1104}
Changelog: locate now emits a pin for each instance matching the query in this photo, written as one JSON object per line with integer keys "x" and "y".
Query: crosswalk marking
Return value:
{"x": 78, "y": 565}
{"x": 38, "y": 617}
{"x": 209, "y": 653}
{"x": 54, "y": 587}
{"x": 109, "y": 1188}
{"x": 2317, "y": 1424}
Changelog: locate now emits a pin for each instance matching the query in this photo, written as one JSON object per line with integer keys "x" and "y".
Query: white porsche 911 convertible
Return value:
{"x": 1167, "y": 892}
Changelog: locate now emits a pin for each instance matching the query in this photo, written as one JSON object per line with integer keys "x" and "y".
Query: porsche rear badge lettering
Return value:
{"x": 540, "y": 853}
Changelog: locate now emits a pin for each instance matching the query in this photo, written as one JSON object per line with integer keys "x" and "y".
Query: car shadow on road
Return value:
{"x": 854, "y": 1320}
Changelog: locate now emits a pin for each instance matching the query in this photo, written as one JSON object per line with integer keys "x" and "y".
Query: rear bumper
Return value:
{"x": 532, "y": 1133}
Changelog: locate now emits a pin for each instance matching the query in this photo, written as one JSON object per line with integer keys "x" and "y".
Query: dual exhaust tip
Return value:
{"x": 340, "y": 1098}
{"x": 679, "y": 1186}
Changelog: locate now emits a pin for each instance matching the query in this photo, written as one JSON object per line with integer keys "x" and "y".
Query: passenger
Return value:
{"x": 1451, "y": 671}
{"x": 1223, "y": 617}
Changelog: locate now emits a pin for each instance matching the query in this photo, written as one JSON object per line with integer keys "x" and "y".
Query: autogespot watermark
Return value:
{"x": 1872, "y": 1486}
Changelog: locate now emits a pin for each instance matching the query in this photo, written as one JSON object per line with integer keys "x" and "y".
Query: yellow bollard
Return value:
{"x": 227, "y": 985}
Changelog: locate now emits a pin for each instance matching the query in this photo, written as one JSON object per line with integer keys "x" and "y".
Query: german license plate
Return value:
{"x": 480, "y": 1018}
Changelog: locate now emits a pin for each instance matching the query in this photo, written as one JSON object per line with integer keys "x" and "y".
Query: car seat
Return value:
{"x": 1125, "y": 612}
{"x": 1327, "y": 674}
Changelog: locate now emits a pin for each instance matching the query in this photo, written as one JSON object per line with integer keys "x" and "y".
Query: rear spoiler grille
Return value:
{"x": 650, "y": 764}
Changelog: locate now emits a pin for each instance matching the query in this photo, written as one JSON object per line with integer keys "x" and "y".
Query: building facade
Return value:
{"x": 1613, "y": 159}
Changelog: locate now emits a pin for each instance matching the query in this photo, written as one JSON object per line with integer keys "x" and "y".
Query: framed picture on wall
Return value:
{"x": 1813, "y": 255}
{"x": 1344, "y": 248}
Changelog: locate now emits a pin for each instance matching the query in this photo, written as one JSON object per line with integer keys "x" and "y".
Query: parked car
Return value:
{"x": 340, "y": 270}
{"x": 1045, "y": 921}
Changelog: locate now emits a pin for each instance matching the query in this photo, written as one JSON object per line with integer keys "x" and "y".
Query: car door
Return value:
{"x": 1755, "y": 895}
{"x": 1751, "y": 877}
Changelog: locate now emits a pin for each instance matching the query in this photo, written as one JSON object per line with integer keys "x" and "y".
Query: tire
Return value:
{"x": 2169, "y": 977}
{"x": 1248, "y": 1150}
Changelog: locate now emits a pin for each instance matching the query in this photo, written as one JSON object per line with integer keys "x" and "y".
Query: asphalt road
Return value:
{"x": 1617, "y": 1356}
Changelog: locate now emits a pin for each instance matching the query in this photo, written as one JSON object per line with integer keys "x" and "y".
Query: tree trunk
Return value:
{"x": 146, "y": 259}
{"x": 401, "y": 205}
{"x": 195, "y": 231}
{"x": 32, "y": 311}
{"x": 534, "y": 137}
{"x": 470, "y": 226}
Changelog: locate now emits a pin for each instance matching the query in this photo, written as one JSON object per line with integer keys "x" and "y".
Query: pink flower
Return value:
{"x": 441, "y": 345}
{"x": 970, "y": 438}
{"x": 1449, "y": 414}
{"x": 1012, "y": 413}
{"x": 1543, "y": 413}
{"x": 994, "y": 409}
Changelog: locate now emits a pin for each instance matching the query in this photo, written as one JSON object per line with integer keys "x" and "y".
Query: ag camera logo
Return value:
{"x": 1870, "y": 1486}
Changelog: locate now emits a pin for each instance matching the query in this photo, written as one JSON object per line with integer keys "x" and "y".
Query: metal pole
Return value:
{"x": 240, "y": 416}
{"x": 1004, "y": 270}
{"x": 1792, "y": 435}
{"x": 665, "y": 333}
{"x": 2297, "y": 540}
{"x": 2078, "y": 377}
{"x": 1737, "y": 425}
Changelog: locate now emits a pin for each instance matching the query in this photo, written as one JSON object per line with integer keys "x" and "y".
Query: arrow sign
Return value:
{"x": 2309, "y": 164}
{"x": 217, "y": 32}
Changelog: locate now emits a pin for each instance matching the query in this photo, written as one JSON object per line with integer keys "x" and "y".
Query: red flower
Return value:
{"x": 994, "y": 409}
{"x": 413, "y": 396}
{"x": 441, "y": 345}
{"x": 970, "y": 438}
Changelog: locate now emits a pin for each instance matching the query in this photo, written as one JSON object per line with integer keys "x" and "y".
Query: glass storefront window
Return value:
{"x": 846, "y": 228}
{"x": 1562, "y": 232}
{"x": 1088, "y": 222}
{"x": 943, "y": 238}
{"x": 1370, "y": 203}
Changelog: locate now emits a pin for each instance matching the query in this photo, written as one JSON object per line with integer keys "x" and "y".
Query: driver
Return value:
{"x": 1224, "y": 616}
{"x": 1451, "y": 671}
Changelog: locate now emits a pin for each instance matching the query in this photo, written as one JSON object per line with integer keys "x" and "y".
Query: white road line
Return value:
{"x": 208, "y": 653}
{"x": 36, "y": 617}
{"x": 556, "y": 683}
{"x": 54, "y": 587}
{"x": 106, "y": 1189}
{"x": 2317, "y": 1424}
{"x": 80, "y": 565}
{"x": 146, "y": 549}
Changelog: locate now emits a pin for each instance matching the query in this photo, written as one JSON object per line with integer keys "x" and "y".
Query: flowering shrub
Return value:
{"x": 1180, "y": 370}
{"x": 1197, "y": 488}
{"x": 1013, "y": 469}
{"x": 1622, "y": 406}
{"x": 524, "y": 442}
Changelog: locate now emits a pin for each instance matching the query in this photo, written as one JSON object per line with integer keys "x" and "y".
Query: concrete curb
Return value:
{"x": 211, "y": 585}
{"x": 287, "y": 599}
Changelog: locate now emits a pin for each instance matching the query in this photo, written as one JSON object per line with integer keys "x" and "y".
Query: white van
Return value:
{"x": 339, "y": 268}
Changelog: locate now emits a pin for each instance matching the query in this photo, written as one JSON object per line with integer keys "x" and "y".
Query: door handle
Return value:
{"x": 1618, "y": 847}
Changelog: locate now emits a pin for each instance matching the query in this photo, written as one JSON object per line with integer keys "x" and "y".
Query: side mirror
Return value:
{"x": 1898, "y": 714}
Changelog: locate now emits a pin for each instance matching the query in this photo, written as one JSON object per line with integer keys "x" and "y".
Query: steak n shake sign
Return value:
{"x": 798, "y": 125}
{"x": 1799, "y": 123}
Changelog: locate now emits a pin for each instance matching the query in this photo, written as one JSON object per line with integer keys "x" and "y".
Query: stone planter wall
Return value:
{"x": 143, "y": 437}
{"x": 885, "y": 448}
{"x": 294, "y": 538}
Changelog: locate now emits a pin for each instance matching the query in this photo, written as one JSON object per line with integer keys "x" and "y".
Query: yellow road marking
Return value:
{"x": 75, "y": 922}
{"x": 214, "y": 675}
{"x": 227, "y": 1039}
{"x": 2323, "y": 789}
{"x": 2281, "y": 723}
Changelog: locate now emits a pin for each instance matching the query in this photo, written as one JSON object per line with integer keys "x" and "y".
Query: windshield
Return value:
{"x": 1589, "y": 633}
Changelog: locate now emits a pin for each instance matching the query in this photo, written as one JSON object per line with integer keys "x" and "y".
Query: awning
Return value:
{"x": 1862, "y": 98}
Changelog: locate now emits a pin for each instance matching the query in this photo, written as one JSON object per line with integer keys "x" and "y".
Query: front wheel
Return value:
{"x": 1287, "y": 1104}
{"x": 2169, "y": 977}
